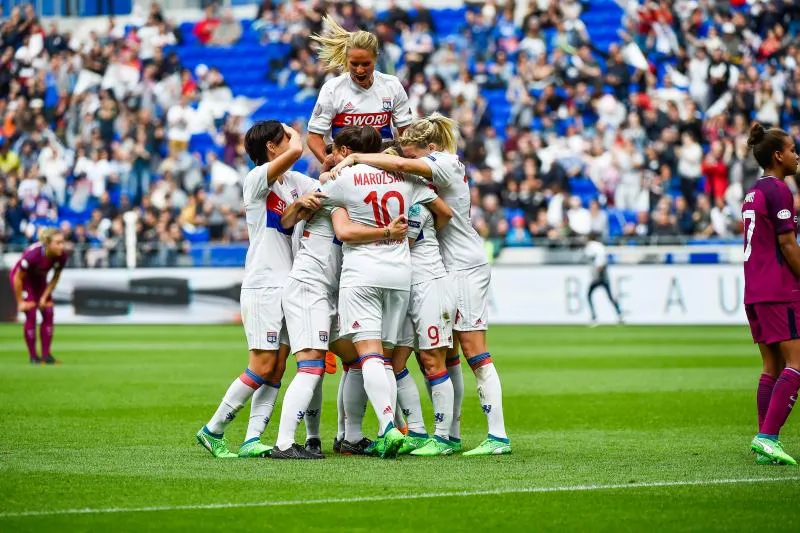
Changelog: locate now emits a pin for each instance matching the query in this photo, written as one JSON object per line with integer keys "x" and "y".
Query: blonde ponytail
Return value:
{"x": 436, "y": 129}
{"x": 335, "y": 43}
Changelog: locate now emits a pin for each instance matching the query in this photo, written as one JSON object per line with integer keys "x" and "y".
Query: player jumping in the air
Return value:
{"x": 431, "y": 142}
{"x": 268, "y": 190}
{"x": 310, "y": 300}
{"x": 772, "y": 286}
{"x": 376, "y": 277}
{"x": 360, "y": 96}
{"x": 596, "y": 252}
{"x": 33, "y": 292}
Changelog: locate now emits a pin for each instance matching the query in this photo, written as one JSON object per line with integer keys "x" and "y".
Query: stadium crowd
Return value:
{"x": 651, "y": 131}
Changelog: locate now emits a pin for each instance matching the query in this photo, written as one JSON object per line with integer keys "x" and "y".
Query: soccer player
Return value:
{"x": 431, "y": 143}
{"x": 268, "y": 189}
{"x": 376, "y": 277}
{"x": 361, "y": 96}
{"x": 29, "y": 281}
{"x": 772, "y": 286}
{"x": 310, "y": 300}
{"x": 430, "y": 306}
{"x": 596, "y": 252}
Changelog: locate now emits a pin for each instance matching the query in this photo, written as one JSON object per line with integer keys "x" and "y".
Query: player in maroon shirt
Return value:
{"x": 29, "y": 280}
{"x": 772, "y": 286}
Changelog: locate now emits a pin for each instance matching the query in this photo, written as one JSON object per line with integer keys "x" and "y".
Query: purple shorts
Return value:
{"x": 774, "y": 322}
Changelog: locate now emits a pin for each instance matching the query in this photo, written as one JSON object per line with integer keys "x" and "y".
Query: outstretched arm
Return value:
{"x": 387, "y": 162}
{"x": 316, "y": 143}
{"x": 302, "y": 208}
{"x": 284, "y": 162}
{"x": 22, "y": 305}
{"x": 355, "y": 233}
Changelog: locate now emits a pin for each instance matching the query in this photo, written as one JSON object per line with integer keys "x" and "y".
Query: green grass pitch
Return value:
{"x": 613, "y": 429}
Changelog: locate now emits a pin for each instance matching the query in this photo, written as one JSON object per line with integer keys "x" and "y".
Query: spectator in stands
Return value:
{"x": 715, "y": 170}
{"x": 702, "y": 217}
{"x": 228, "y": 31}
{"x": 204, "y": 29}
{"x": 690, "y": 156}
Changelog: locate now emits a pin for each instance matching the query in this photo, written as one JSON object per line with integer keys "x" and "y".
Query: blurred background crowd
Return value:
{"x": 637, "y": 134}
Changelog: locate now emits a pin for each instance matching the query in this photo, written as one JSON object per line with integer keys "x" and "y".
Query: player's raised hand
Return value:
{"x": 348, "y": 161}
{"x": 331, "y": 161}
{"x": 295, "y": 140}
{"x": 312, "y": 200}
{"x": 398, "y": 228}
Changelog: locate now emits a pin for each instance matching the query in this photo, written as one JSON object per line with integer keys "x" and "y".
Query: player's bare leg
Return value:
{"x": 435, "y": 369}
{"x": 310, "y": 369}
{"x": 490, "y": 392}
{"x": 354, "y": 400}
{"x": 262, "y": 364}
{"x": 371, "y": 360}
{"x": 782, "y": 399}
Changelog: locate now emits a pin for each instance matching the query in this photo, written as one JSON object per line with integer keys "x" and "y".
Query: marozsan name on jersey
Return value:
{"x": 375, "y": 178}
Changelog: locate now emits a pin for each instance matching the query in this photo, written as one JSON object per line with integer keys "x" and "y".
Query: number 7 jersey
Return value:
{"x": 768, "y": 211}
{"x": 374, "y": 197}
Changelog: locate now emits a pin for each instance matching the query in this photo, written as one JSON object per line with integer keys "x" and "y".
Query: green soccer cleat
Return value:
{"x": 218, "y": 446}
{"x": 772, "y": 449}
{"x": 411, "y": 443}
{"x": 455, "y": 444}
{"x": 254, "y": 448}
{"x": 764, "y": 460}
{"x": 490, "y": 446}
{"x": 390, "y": 443}
{"x": 433, "y": 447}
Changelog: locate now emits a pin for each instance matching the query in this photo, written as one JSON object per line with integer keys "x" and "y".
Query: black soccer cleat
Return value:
{"x": 358, "y": 448}
{"x": 294, "y": 452}
{"x": 314, "y": 447}
{"x": 337, "y": 445}
{"x": 50, "y": 360}
{"x": 35, "y": 360}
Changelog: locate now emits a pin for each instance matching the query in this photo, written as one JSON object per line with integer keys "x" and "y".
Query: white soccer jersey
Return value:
{"x": 426, "y": 260}
{"x": 596, "y": 251}
{"x": 374, "y": 197}
{"x": 461, "y": 246}
{"x": 269, "y": 256}
{"x": 319, "y": 258}
{"x": 342, "y": 102}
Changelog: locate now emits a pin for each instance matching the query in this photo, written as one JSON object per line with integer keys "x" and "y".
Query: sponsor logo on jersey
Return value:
{"x": 272, "y": 336}
{"x": 387, "y": 104}
{"x": 784, "y": 214}
{"x": 429, "y": 156}
{"x": 377, "y": 120}
{"x": 387, "y": 410}
{"x": 323, "y": 336}
{"x": 479, "y": 322}
{"x": 414, "y": 210}
{"x": 750, "y": 197}
{"x": 356, "y": 325}
{"x": 348, "y": 106}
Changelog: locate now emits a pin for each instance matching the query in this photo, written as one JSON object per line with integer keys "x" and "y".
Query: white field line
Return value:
{"x": 420, "y": 496}
{"x": 67, "y": 346}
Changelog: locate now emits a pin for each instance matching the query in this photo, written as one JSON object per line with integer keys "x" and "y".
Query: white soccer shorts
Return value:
{"x": 310, "y": 312}
{"x": 471, "y": 288}
{"x": 372, "y": 313}
{"x": 431, "y": 308}
{"x": 262, "y": 317}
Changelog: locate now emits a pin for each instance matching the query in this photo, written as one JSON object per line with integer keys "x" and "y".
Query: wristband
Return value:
{"x": 386, "y": 233}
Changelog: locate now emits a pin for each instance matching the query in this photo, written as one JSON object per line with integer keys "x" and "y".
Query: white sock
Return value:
{"x": 457, "y": 377}
{"x": 442, "y": 398}
{"x": 261, "y": 409}
{"x": 314, "y": 410}
{"x": 340, "y": 417}
{"x": 377, "y": 387}
{"x": 235, "y": 397}
{"x": 296, "y": 401}
{"x": 387, "y": 367}
{"x": 354, "y": 398}
{"x": 409, "y": 402}
{"x": 490, "y": 393}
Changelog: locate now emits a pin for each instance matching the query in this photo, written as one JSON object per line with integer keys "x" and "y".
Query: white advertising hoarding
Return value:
{"x": 648, "y": 294}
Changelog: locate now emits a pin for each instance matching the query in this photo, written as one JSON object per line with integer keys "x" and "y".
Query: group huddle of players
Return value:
{"x": 387, "y": 264}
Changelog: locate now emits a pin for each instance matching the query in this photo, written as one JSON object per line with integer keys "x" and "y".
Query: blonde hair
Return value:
{"x": 436, "y": 129}
{"x": 46, "y": 235}
{"x": 336, "y": 42}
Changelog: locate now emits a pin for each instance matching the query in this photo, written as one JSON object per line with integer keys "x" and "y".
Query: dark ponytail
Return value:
{"x": 360, "y": 139}
{"x": 765, "y": 143}
{"x": 257, "y": 137}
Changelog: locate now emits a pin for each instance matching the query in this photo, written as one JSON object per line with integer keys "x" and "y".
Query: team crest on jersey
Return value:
{"x": 387, "y": 104}
{"x": 294, "y": 194}
{"x": 323, "y": 336}
{"x": 784, "y": 214}
{"x": 413, "y": 211}
{"x": 272, "y": 336}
